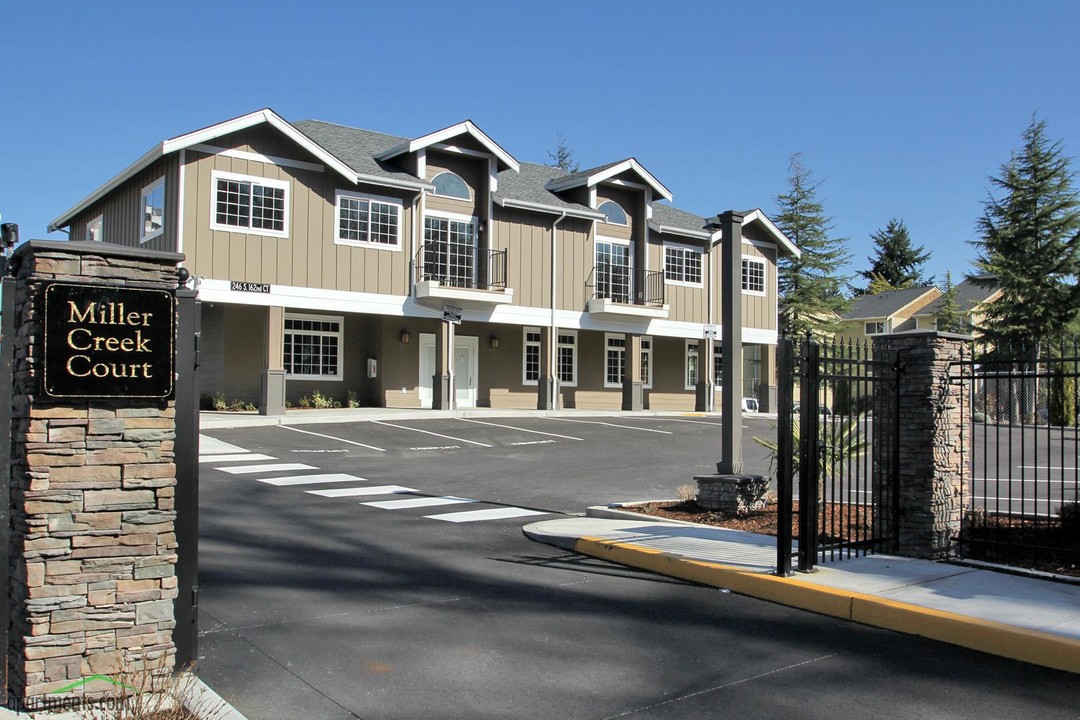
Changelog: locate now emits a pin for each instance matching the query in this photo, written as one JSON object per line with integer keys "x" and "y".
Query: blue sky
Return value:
{"x": 900, "y": 109}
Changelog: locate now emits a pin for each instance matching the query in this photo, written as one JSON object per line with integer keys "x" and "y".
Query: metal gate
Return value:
{"x": 837, "y": 434}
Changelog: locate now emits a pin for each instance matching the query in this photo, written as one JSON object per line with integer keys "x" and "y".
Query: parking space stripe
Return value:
{"x": 311, "y": 479}
{"x": 492, "y": 514}
{"x": 213, "y": 446}
{"x": 277, "y": 467}
{"x": 416, "y": 502}
{"x": 428, "y": 432}
{"x": 521, "y": 429}
{"x": 238, "y": 457}
{"x": 624, "y": 427}
{"x": 331, "y": 437}
{"x": 360, "y": 491}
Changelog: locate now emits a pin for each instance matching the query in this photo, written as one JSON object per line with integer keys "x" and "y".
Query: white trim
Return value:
{"x": 216, "y": 175}
{"x": 147, "y": 190}
{"x": 671, "y": 230}
{"x": 551, "y": 209}
{"x": 645, "y": 340}
{"x": 604, "y": 175}
{"x": 758, "y": 216}
{"x": 340, "y": 320}
{"x": 181, "y": 192}
{"x": 440, "y": 136}
{"x": 461, "y": 151}
{"x": 397, "y": 203}
{"x": 100, "y": 222}
{"x": 629, "y": 184}
{"x": 574, "y": 346}
{"x": 525, "y": 345}
{"x": 697, "y": 250}
{"x": 468, "y": 190}
{"x": 759, "y": 244}
{"x": 257, "y": 157}
{"x": 764, "y": 275}
{"x": 687, "y": 385}
{"x": 607, "y": 220}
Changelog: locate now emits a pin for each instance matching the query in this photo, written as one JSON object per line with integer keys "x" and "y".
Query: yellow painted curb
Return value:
{"x": 1032, "y": 646}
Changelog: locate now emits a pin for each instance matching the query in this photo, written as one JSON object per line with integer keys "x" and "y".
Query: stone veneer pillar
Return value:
{"x": 930, "y": 434}
{"x": 93, "y": 548}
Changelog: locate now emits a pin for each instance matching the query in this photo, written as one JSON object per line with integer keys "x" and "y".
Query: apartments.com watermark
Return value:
{"x": 59, "y": 701}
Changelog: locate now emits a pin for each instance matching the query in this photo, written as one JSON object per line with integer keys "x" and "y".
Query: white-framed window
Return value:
{"x": 450, "y": 249}
{"x": 615, "y": 360}
{"x": 448, "y": 184}
{"x": 614, "y": 212}
{"x": 753, "y": 275}
{"x": 95, "y": 229}
{"x": 565, "y": 357}
{"x": 692, "y": 364}
{"x": 530, "y": 357}
{"x": 153, "y": 210}
{"x": 682, "y": 265}
{"x": 250, "y": 204}
{"x": 313, "y": 346}
{"x": 875, "y": 327}
{"x": 614, "y": 269}
{"x": 368, "y": 220}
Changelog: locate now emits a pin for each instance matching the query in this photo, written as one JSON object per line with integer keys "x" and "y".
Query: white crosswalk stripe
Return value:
{"x": 417, "y": 502}
{"x": 360, "y": 491}
{"x": 279, "y": 467}
{"x": 311, "y": 479}
{"x": 493, "y": 514}
{"x": 238, "y": 457}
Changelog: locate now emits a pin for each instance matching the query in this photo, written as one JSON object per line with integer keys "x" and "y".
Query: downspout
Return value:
{"x": 412, "y": 247}
{"x": 554, "y": 353}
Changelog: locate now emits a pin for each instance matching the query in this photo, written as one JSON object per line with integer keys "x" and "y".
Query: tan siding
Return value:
{"x": 472, "y": 170}
{"x": 758, "y": 311}
{"x": 122, "y": 214}
{"x": 686, "y": 303}
{"x": 576, "y": 257}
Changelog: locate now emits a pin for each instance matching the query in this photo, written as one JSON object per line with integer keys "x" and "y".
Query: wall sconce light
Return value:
{"x": 494, "y": 342}
{"x": 404, "y": 337}
{"x": 481, "y": 227}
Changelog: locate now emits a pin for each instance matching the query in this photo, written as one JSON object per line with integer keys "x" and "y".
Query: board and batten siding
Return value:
{"x": 686, "y": 303}
{"x": 527, "y": 239}
{"x": 122, "y": 211}
{"x": 576, "y": 255}
{"x": 308, "y": 256}
{"x": 758, "y": 311}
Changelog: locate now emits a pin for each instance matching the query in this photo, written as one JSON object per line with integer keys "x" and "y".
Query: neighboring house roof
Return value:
{"x": 887, "y": 304}
{"x": 969, "y": 296}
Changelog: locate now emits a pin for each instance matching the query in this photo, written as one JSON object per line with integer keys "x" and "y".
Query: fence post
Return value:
{"x": 809, "y": 453}
{"x": 784, "y": 457}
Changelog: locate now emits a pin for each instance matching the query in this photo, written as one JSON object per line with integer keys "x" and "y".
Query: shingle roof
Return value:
{"x": 884, "y": 304}
{"x": 583, "y": 174}
{"x": 529, "y": 185}
{"x": 357, "y": 148}
{"x": 968, "y": 297}
{"x": 669, "y": 216}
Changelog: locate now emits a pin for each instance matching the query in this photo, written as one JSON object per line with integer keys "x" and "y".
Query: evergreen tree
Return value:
{"x": 1030, "y": 246}
{"x": 810, "y": 285}
{"x": 563, "y": 158}
{"x": 878, "y": 284}
{"x": 900, "y": 264}
{"x": 949, "y": 317}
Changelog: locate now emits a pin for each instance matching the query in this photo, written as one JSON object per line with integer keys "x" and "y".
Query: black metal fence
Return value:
{"x": 456, "y": 264}
{"x": 837, "y": 432}
{"x": 1021, "y": 456}
{"x": 617, "y": 283}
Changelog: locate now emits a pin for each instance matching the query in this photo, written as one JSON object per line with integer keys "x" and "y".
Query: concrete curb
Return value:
{"x": 1031, "y": 646}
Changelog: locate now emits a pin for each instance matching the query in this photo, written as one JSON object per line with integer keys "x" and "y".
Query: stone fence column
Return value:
{"x": 921, "y": 412}
{"x": 92, "y": 474}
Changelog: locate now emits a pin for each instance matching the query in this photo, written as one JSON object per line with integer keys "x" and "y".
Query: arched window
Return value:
{"x": 614, "y": 213}
{"x": 448, "y": 184}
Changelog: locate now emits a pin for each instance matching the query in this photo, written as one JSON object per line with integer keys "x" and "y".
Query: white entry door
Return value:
{"x": 465, "y": 370}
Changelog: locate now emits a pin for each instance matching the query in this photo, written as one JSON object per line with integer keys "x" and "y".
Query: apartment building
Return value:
{"x": 438, "y": 271}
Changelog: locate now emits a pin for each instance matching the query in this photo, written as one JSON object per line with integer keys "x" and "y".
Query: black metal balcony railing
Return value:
{"x": 616, "y": 283}
{"x": 455, "y": 265}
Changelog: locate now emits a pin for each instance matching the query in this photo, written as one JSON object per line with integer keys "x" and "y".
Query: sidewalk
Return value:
{"x": 1023, "y": 618}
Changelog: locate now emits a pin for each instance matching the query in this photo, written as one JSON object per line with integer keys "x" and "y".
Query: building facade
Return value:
{"x": 337, "y": 260}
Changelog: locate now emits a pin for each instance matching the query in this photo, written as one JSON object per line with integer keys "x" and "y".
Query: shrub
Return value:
{"x": 353, "y": 400}
{"x": 686, "y": 493}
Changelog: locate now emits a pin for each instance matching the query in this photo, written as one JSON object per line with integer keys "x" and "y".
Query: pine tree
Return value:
{"x": 563, "y": 158}
{"x": 900, "y": 264}
{"x": 810, "y": 285}
{"x": 1030, "y": 246}
{"x": 949, "y": 316}
{"x": 878, "y": 284}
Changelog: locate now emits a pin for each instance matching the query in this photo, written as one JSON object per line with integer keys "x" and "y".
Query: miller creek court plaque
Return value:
{"x": 105, "y": 342}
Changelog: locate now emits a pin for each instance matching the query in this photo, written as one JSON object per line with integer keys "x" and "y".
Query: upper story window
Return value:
{"x": 251, "y": 204}
{"x": 153, "y": 210}
{"x": 877, "y": 327}
{"x": 753, "y": 276}
{"x": 448, "y": 184}
{"x": 95, "y": 228}
{"x": 682, "y": 264}
{"x": 613, "y": 212}
{"x": 368, "y": 220}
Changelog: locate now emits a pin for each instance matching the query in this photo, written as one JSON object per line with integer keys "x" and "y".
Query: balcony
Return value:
{"x": 615, "y": 292}
{"x": 448, "y": 272}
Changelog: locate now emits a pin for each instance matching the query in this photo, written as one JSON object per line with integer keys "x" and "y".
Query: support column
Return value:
{"x": 633, "y": 392}
{"x": 918, "y": 426}
{"x": 272, "y": 389}
{"x": 442, "y": 386}
{"x": 731, "y": 344}
{"x": 704, "y": 399}
{"x": 545, "y": 391}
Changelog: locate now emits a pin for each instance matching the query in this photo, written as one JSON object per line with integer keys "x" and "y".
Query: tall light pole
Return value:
{"x": 730, "y": 226}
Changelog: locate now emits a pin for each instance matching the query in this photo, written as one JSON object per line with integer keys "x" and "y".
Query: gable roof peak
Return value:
{"x": 465, "y": 127}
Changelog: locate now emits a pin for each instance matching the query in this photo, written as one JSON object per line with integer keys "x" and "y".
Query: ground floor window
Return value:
{"x": 692, "y": 364}
{"x": 615, "y": 360}
{"x": 565, "y": 357}
{"x": 531, "y": 357}
{"x": 313, "y": 347}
